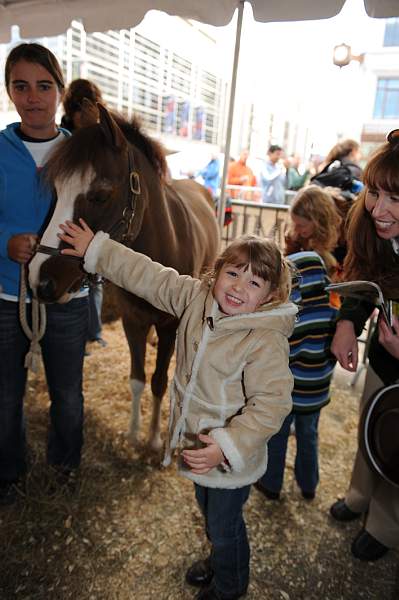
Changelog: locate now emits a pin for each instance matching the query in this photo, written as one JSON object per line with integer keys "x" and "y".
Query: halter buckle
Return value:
{"x": 135, "y": 187}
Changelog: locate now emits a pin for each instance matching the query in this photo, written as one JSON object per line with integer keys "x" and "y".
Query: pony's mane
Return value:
{"x": 152, "y": 149}
{"x": 86, "y": 147}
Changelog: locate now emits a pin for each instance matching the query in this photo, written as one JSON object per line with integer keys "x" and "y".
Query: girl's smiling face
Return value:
{"x": 383, "y": 207}
{"x": 237, "y": 290}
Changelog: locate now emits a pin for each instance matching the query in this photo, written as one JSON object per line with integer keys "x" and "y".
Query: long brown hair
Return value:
{"x": 370, "y": 257}
{"x": 341, "y": 150}
{"x": 316, "y": 205}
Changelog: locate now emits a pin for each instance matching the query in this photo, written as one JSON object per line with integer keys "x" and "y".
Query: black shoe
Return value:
{"x": 100, "y": 341}
{"x": 210, "y": 593}
{"x": 270, "y": 495}
{"x": 308, "y": 495}
{"x": 8, "y": 493}
{"x": 341, "y": 512}
{"x": 366, "y": 547}
{"x": 200, "y": 573}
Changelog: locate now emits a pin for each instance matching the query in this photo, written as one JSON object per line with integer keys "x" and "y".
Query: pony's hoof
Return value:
{"x": 155, "y": 444}
{"x": 133, "y": 438}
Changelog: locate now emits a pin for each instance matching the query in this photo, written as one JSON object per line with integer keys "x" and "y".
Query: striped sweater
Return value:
{"x": 311, "y": 361}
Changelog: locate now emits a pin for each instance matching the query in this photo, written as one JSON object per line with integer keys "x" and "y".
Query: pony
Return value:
{"x": 115, "y": 177}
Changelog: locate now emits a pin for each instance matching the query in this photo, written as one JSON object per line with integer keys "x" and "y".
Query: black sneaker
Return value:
{"x": 8, "y": 492}
{"x": 200, "y": 573}
{"x": 366, "y": 547}
{"x": 341, "y": 512}
{"x": 309, "y": 495}
{"x": 270, "y": 495}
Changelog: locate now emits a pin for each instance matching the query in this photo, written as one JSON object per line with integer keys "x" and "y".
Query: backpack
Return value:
{"x": 335, "y": 174}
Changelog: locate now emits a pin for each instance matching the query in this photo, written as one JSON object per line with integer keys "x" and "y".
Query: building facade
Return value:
{"x": 380, "y": 95}
{"x": 165, "y": 71}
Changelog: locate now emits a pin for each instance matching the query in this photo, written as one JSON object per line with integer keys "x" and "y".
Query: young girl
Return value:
{"x": 232, "y": 385}
{"x": 313, "y": 234}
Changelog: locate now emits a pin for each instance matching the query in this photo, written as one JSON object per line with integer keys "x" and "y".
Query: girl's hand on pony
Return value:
{"x": 204, "y": 459}
{"x": 77, "y": 236}
{"x": 389, "y": 338}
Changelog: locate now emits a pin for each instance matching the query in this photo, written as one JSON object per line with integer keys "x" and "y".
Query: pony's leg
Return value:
{"x": 136, "y": 335}
{"x": 159, "y": 381}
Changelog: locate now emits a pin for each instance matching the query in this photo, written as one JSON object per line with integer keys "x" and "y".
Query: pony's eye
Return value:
{"x": 96, "y": 196}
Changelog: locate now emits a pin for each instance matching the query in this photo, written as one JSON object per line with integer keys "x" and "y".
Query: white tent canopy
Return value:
{"x": 49, "y": 17}
{"x": 37, "y": 18}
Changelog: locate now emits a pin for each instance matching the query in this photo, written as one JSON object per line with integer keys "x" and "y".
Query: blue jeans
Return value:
{"x": 63, "y": 346}
{"x": 306, "y": 460}
{"x": 225, "y": 528}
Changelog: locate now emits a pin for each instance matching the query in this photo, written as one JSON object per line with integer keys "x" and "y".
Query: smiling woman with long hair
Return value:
{"x": 373, "y": 254}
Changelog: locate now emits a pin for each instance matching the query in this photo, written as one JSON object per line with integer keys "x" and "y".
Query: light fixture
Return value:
{"x": 342, "y": 55}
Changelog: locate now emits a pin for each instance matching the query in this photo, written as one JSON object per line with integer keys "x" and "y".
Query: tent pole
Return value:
{"x": 222, "y": 199}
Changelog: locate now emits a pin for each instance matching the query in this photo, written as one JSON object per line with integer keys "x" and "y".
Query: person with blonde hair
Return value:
{"x": 373, "y": 255}
{"x": 311, "y": 239}
{"x": 315, "y": 225}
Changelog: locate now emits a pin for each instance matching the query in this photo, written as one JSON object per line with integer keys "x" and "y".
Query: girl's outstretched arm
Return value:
{"x": 78, "y": 236}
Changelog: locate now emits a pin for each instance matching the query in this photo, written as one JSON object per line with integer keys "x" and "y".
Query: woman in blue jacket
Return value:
{"x": 35, "y": 84}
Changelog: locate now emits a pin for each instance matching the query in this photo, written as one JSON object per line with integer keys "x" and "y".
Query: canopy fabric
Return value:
{"x": 38, "y": 18}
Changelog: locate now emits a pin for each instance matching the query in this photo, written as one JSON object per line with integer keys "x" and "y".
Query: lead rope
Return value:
{"x": 32, "y": 359}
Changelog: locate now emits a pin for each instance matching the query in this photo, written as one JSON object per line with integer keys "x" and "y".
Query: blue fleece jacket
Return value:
{"x": 25, "y": 202}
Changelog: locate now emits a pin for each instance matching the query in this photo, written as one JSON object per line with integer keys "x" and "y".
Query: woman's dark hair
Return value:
{"x": 341, "y": 150}
{"x": 77, "y": 90}
{"x": 370, "y": 257}
{"x": 34, "y": 53}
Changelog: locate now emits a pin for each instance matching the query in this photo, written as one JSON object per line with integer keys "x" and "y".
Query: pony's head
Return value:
{"x": 93, "y": 174}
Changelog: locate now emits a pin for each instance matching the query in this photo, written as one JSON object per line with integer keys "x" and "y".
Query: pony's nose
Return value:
{"x": 46, "y": 290}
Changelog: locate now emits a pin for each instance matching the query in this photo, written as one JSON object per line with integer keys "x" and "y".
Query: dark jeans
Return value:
{"x": 225, "y": 528}
{"x": 306, "y": 460}
{"x": 63, "y": 346}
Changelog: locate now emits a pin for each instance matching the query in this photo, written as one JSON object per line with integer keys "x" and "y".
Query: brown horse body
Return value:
{"x": 100, "y": 173}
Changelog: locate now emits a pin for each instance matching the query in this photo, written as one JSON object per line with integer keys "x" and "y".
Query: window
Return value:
{"x": 387, "y": 99}
{"x": 391, "y": 35}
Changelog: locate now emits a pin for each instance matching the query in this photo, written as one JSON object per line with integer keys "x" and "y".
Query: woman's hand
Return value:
{"x": 78, "y": 237}
{"x": 21, "y": 247}
{"x": 389, "y": 338}
{"x": 344, "y": 345}
{"x": 204, "y": 459}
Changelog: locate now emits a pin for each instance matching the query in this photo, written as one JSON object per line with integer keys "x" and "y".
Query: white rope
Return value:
{"x": 32, "y": 359}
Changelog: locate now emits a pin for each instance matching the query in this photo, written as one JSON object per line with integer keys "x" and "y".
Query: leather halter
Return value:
{"x": 125, "y": 220}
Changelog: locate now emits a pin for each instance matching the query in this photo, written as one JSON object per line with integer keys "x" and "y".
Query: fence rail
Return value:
{"x": 267, "y": 220}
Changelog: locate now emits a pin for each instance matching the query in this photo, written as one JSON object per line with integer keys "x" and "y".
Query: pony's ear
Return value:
{"x": 90, "y": 114}
{"x": 111, "y": 129}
